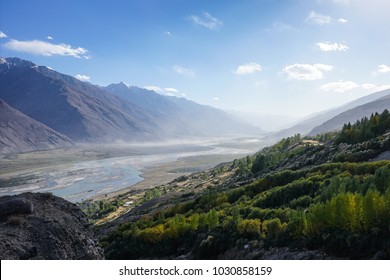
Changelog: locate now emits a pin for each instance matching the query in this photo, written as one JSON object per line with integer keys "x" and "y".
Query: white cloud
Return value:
{"x": 170, "y": 90}
{"x": 248, "y": 68}
{"x": 306, "y": 71}
{"x": 383, "y": 68}
{"x": 328, "y": 47}
{"x": 49, "y": 38}
{"x": 342, "y": 20}
{"x": 319, "y": 19}
{"x": 341, "y": 86}
{"x": 154, "y": 88}
{"x": 374, "y": 88}
{"x": 207, "y": 20}
{"x": 368, "y": 86}
{"x": 344, "y": 86}
{"x": 163, "y": 91}
{"x": 167, "y": 33}
{"x": 45, "y": 48}
{"x": 183, "y": 71}
{"x": 2, "y": 35}
{"x": 83, "y": 78}
{"x": 216, "y": 99}
{"x": 382, "y": 87}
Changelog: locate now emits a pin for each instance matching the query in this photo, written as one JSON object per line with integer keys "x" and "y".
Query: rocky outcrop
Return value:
{"x": 43, "y": 226}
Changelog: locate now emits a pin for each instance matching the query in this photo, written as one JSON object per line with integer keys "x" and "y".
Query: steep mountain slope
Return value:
{"x": 353, "y": 115}
{"x": 79, "y": 110}
{"x": 181, "y": 116}
{"x": 20, "y": 133}
{"x": 306, "y": 125}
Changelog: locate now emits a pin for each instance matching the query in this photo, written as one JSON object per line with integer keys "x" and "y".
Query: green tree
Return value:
{"x": 249, "y": 228}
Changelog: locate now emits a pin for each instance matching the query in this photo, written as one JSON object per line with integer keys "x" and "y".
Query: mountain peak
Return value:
{"x": 123, "y": 84}
{"x": 118, "y": 87}
{"x": 15, "y": 62}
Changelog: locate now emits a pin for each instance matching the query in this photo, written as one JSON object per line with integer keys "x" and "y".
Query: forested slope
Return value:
{"x": 326, "y": 193}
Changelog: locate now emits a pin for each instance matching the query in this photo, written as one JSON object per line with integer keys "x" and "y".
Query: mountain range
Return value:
{"x": 333, "y": 119}
{"x": 52, "y": 110}
{"x": 180, "y": 117}
{"x": 358, "y": 112}
{"x": 88, "y": 113}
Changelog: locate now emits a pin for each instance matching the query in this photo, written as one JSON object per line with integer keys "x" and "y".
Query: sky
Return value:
{"x": 290, "y": 57}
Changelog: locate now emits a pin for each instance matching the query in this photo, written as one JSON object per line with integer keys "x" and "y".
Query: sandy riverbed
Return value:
{"x": 104, "y": 171}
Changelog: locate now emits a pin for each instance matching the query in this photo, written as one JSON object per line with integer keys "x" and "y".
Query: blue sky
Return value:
{"x": 290, "y": 57}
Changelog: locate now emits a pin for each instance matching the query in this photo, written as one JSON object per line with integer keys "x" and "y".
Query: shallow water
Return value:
{"x": 78, "y": 181}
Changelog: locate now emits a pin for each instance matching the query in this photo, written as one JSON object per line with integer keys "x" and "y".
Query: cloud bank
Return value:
{"x": 43, "y": 48}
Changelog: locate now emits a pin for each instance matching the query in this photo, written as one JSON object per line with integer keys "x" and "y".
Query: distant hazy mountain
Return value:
{"x": 89, "y": 113}
{"x": 146, "y": 99}
{"x": 77, "y": 109}
{"x": 20, "y": 133}
{"x": 182, "y": 117}
{"x": 306, "y": 125}
{"x": 270, "y": 123}
{"x": 211, "y": 121}
{"x": 354, "y": 114}
{"x": 166, "y": 114}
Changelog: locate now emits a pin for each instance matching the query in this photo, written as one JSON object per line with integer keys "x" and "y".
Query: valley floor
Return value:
{"x": 104, "y": 171}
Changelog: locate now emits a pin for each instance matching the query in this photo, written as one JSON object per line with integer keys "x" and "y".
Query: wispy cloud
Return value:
{"x": 154, "y": 88}
{"x": 316, "y": 18}
{"x": 342, "y": 20}
{"x": 307, "y": 72}
{"x": 2, "y": 35}
{"x": 279, "y": 26}
{"x": 248, "y": 68}
{"x": 83, "y": 78}
{"x": 168, "y": 33}
{"x": 164, "y": 91}
{"x": 383, "y": 68}
{"x": 345, "y": 86}
{"x": 329, "y": 47}
{"x": 188, "y": 72}
{"x": 206, "y": 20}
{"x": 45, "y": 48}
{"x": 216, "y": 99}
{"x": 374, "y": 88}
{"x": 340, "y": 86}
{"x": 49, "y": 38}
{"x": 171, "y": 90}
